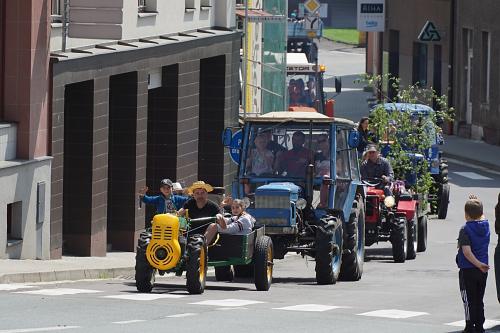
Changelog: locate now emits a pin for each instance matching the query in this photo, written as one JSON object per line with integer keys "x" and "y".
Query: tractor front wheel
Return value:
{"x": 196, "y": 266}
{"x": 328, "y": 254}
{"x": 412, "y": 239}
{"x": 443, "y": 201}
{"x": 422, "y": 234}
{"x": 398, "y": 239}
{"x": 144, "y": 273}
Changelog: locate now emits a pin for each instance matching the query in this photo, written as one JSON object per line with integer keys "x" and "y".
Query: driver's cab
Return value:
{"x": 283, "y": 150}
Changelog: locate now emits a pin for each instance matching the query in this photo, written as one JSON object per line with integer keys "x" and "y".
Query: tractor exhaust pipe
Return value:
{"x": 309, "y": 183}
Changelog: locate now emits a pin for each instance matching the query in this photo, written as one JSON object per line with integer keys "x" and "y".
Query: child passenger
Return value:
{"x": 241, "y": 223}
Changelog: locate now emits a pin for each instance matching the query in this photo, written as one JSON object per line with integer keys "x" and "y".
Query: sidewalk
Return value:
{"x": 470, "y": 151}
{"x": 115, "y": 264}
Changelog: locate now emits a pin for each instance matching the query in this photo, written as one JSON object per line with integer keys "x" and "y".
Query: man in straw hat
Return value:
{"x": 199, "y": 205}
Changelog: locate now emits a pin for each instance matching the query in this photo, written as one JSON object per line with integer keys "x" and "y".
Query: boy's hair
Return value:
{"x": 474, "y": 208}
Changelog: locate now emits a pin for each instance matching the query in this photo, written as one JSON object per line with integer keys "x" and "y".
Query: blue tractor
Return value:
{"x": 310, "y": 201}
{"x": 424, "y": 116}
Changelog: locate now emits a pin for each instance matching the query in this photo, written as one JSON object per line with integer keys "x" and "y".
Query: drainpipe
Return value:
{"x": 451, "y": 61}
{"x": 64, "y": 24}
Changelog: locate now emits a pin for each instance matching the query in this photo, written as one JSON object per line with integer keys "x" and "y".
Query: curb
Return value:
{"x": 67, "y": 275}
{"x": 460, "y": 158}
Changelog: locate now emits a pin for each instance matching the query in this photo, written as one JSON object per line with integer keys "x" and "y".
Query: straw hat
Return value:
{"x": 200, "y": 184}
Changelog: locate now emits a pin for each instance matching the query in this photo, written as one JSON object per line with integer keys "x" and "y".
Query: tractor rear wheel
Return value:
{"x": 443, "y": 200}
{"x": 224, "y": 273}
{"x": 196, "y": 266}
{"x": 263, "y": 263}
{"x": 328, "y": 254}
{"x": 412, "y": 229}
{"x": 398, "y": 240}
{"x": 354, "y": 245}
{"x": 422, "y": 234}
{"x": 144, "y": 273}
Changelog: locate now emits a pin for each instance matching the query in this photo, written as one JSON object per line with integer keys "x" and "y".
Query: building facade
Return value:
{"x": 142, "y": 92}
{"x": 477, "y": 70}
{"x": 25, "y": 165}
{"x": 464, "y": 64}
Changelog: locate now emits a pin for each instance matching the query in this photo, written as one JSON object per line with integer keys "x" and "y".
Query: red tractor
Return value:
{"x": 399, "y": 218}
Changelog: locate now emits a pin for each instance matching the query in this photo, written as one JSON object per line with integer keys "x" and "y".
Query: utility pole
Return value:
{"x": 244, "y": 61}
{"x": 64, "y": 24}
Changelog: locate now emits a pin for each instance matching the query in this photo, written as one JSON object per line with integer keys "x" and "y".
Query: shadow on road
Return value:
{"x": 381, "y": 255}
{"x": 295, "y": 280}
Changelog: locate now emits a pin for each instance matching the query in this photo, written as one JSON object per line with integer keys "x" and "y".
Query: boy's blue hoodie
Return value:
{"x": 479, "y": 235}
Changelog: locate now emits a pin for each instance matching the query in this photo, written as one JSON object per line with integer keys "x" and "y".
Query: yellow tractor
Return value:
{"x": 174, "y": 244}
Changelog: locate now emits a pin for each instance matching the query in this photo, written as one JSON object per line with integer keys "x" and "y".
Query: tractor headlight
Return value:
{"x": 301, "y": 203}
{"x": 389, "y": 201}
{"x": 161, "y": 253}
{"x": 246, "y": 202}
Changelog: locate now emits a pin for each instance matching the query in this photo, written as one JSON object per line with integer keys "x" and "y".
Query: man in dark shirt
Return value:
{"x": 199, "y": 205}
{"x": 376, "y": 166}
{"x": 294, "y": 161}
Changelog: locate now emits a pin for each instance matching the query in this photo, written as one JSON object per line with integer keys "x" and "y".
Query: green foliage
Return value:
{"x": 347, "y": 36}
{"x": 406, "y": 133}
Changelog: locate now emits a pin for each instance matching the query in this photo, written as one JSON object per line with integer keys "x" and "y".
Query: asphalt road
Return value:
{"x": 420, "y": 295}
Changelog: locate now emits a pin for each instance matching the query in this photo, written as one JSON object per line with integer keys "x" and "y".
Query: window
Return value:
{"x": 57, "y": 7}
{"x": 14, "y": 222}
{"x": 190, "y": 7}
{"x": 485, "y": 67}
{"x": 420, "y": 64}
{"x": 205, "y": 4}
{"x": 146, "y": 6}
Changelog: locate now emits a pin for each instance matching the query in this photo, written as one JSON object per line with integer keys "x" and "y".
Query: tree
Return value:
{"x": 408, "y": 135}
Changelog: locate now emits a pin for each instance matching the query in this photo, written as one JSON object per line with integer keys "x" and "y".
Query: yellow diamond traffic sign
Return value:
{"x": 312, "y": 5}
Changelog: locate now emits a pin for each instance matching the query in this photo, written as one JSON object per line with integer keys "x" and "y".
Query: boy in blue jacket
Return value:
{"x": 166, "y": 202}
{"x": 472, "y": 259}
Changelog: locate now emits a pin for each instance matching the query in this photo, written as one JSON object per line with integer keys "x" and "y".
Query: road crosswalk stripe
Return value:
{"x": 182, "y": 315}
{"x": 227, "y": 302}
{"x": 471, "y": 175}
{"x": 58, "y": 291}
{"x": 14, "y": 286}
{"x": 39, "y": 329}
{"x": 488, "y": 323}
{"x": 125, "y": 322}
{"x": 143, "y": 297}
{"x": 310, "y": 307}
{"x": 393, "y": 313}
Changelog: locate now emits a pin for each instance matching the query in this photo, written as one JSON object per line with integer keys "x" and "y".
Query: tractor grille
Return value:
{"x": 272, "y": 201}
{"x": 160, "y": 233}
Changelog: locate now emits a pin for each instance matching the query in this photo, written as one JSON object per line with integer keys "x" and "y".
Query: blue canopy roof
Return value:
{"x": 420, "y": 109}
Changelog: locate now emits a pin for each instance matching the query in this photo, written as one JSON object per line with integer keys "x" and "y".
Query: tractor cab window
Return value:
{"x": 301, "y": 90}
{"x": 285, "y": 151}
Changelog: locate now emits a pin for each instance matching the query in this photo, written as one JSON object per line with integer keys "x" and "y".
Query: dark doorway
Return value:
{"x": 77, "y": 185}
{"x": 436, "y": 77}
{"x": 420, "y": 64}
{"x": 3, "y": 17}
{"x": 393, "y": 64}
{"x": 212, "y": 96}
{"x": 122, "y": 161}
{"x": 162, "y": 132}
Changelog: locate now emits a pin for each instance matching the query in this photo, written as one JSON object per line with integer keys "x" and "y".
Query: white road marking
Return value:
{"x": 182, "y": 315}
{"x": 39, "y": 329}
{"x": 14, "y": 286}
{"x": 347, "y": 52}
{"x": 59, "y": 291}
{"x": 471, "y": 175}
{"x": 310, "y": 307}
{"x": 473, "y": 166}
{"x": 143, "y": 297}
{"x": 232, "y": 308}
{"x": 128, "y": 322}
{"x": 393, "y": 313}
{"x": 488, "y": 323}
{"x": 227, "y": 302}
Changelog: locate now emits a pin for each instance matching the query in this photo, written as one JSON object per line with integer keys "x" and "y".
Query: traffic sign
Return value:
{"x": 429, "y": 33}
{"x": 312, "y": 5}
{"x": 235, "y": 150}
{"x": 312, "y": 22}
